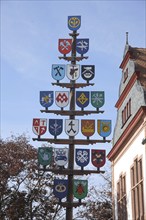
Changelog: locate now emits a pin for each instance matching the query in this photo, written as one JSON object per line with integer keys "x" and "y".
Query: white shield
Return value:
{"x": 61, "y": 156}
{"x": 71, "y": 127}
{"x": 62, "y": 99}
{"x": 73, "y": 71}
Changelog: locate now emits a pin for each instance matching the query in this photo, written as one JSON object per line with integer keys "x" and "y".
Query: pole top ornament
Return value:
{"x": 74, "y": 22}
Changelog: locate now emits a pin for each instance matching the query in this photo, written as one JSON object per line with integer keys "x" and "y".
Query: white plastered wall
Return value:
{"x": 123, "y": 163}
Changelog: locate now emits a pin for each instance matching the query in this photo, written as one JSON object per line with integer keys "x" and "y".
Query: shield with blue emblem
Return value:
{"x": 98, "y": 157}
{"x": 55, "y": 126}
{"x": 46, "y": 98}
{"x": 82, "y": 99}
{"x": 58, "y": 71}
{"x": 87, "y": 72}
{"x": 61, "y": 156}
{"x": 45, "y": 155}
{"x": 104, "y": 128}
{"x": 74, "y": 22}
{"x": 82, "y": 46}
{"x": 97, "y": 99}
{"x": 82, "y": 157}
{"x": 60, "y": 188}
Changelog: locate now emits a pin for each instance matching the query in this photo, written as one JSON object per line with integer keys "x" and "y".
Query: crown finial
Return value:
{"x": 127, "y": 38}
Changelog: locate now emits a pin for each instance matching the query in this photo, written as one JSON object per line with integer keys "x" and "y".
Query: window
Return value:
{"x": 125, "y": 75}
{"x": 137, "y": 190}
{"x": 121, "y": 198}
{"x": 126, "y": 113}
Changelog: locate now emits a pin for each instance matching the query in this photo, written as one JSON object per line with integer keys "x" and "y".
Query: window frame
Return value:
{"x": 125, "y": 73}
{"x": 126, "y": 112}
{"x": 137, "y": 191}
{"x": 122, "y": 197}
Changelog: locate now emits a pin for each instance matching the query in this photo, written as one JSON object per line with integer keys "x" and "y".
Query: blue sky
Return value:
{"x": 29, "y": 46}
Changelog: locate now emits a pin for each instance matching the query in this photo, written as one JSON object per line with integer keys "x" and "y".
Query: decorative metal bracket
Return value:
{"x": 77, "y": 113}
{"x": 72, "y": 85}
{"x": 71, "y": 141}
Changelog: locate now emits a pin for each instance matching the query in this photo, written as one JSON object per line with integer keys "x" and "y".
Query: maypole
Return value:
{"x": 64, "y": 157}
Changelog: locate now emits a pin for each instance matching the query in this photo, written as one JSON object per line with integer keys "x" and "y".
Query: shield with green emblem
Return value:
{"x": 80, "y": 189}
{"x": 97, "y": 99}
{"x": 45, "y": 155}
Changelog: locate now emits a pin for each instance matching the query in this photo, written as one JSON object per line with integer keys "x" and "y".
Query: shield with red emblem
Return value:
{"x": 80, "y": 188}
{"x": 98, "y": 158}
{"x": 62, "y": 99}
{"x": 64, "y": 45}
{"x": 39, "y": 126}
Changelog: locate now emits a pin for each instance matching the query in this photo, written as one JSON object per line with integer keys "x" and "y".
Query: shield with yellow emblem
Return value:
{"x": 87, "y": 127}
{"x": 74, "y": 22}
{"x": 46, "y": 98}
{"x": 82, "y": 99}
{"x": 104, "y": 128}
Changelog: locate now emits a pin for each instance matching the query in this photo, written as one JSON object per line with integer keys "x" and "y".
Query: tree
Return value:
{"x": 25, "y": 193}
{"x": 99, "y": 203}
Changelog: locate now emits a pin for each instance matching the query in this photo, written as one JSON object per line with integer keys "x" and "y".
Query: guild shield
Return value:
{"x": 62, "y": 99}
{"x": 45, "y": 155}
{"x": 82, "y": 157}
{"x": 46, "y": 98}
{"x": 97, "y": 99}
{"x": 104, "y": 128}
{"x": 60, "y": 188}
{"x": 65, "y": 45}
{"x": 80, "y": 189}
{"x": 98, "y": 157}
{"x": 74, "y": 22}
{"x": 73, "y": 71}
{"x": 87, "y": 72}
{"x": 58, "y": 71}
{"x": 39, "y": 126}
{"x": 82, "y": 45}
{"x": 55, "y": 126}
{"x": 71, "y": 127}
{"x": 87, "y": 127}
{"x": 82, "y": 99}
{"x": 61, "y": 156}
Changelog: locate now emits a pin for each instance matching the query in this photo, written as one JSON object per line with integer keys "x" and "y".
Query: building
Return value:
{"x": 128, "y": 153}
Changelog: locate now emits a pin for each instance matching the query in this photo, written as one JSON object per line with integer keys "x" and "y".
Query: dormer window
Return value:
{"x": 125, "y": 75}
{"x": 126, "y": 113}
